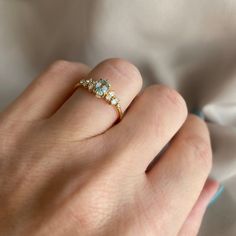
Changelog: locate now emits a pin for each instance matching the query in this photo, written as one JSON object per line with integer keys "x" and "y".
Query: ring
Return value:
{"x": 102, "y": 89}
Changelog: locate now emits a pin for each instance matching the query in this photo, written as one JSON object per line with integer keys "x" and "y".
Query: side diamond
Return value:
{"x": 109, "y": 95}
{"x": 82, "y": 82}
{"x": 114, "y": 101}
{"x": 90, "y": 86}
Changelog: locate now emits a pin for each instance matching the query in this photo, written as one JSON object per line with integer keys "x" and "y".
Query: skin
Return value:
{"x": 66, "y": 167}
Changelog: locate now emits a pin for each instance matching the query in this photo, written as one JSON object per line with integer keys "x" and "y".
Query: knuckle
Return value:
{"x": 201, "y": 149}
{"x": 170, "y": 97}
{"x": 199, "y": 121}
{"x": 60, "y": 65}
{"x": 173, "y": 96}
{"x": 125, "y": 69}
{"x": 63, "y": 68}
{"x": 166, "y": 107}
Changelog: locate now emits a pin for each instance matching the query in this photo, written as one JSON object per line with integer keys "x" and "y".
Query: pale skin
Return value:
{"x": 66, "y": 167}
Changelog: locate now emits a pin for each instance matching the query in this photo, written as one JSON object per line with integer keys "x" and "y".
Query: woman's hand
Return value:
{"x": 66, "y": 169}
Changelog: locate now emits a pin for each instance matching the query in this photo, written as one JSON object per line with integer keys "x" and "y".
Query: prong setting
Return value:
{"x": 101, "y": 89}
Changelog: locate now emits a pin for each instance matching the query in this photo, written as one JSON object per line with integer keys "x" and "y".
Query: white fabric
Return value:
{"x": 187, "y": 44}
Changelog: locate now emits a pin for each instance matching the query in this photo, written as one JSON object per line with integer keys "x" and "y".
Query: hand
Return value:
{"x": 66, "y": 169}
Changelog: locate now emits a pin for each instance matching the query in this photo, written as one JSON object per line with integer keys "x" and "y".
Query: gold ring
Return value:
{"x": 102, "y": 89}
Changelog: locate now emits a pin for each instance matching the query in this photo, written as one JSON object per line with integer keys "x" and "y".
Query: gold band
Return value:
{"x": 102, "y": 89}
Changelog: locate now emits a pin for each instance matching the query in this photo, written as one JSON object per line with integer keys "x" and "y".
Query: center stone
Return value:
{"x": 101, "y": 87}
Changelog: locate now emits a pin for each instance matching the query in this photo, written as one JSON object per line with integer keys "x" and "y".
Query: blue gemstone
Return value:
{"x": 99, "y": 92}
{"x": 98, "y": 84}
{"x": 101, "y": 87}
{"x": 104, "y": 88}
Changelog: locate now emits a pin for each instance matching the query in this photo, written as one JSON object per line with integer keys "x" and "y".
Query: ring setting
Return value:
{"x": 102, "y": 89}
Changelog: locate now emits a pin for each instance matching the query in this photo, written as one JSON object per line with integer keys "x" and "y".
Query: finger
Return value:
{"x": 84, "y": 115}
{"x": 192, "y": 224}
{"x": 48, "y": 92}
{"x": 180, "y": 173}
{"x": 152, "y": 120}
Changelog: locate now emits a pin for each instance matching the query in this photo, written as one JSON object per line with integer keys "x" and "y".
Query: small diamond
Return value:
{"x": 90, "y": 86}
{"x": 82, "y": 82}
{"x": 108, "y": 98}
{"x": 109, "y": 95}
{"x": 114, "y": 101}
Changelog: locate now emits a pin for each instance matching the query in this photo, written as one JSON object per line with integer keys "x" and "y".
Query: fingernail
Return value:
{"x": 198, "y": 113}
{"x": 217, "y": 195}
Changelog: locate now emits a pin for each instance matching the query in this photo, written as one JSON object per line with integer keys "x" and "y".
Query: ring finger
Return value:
{"x": 88, "y": 116}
